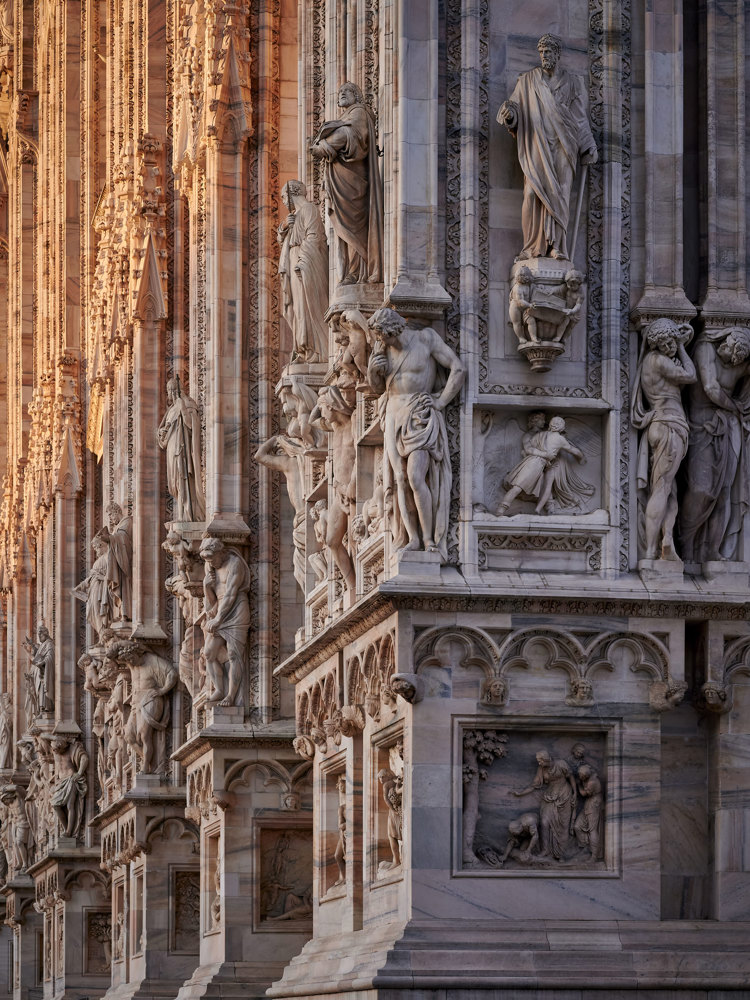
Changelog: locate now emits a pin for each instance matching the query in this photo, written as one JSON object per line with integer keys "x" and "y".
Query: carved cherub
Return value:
{"x": 519, "y": 308}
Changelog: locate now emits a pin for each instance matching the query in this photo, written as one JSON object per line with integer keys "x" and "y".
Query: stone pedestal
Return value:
{"x": 251, "y": 797}
{"x": 151, "y": 852}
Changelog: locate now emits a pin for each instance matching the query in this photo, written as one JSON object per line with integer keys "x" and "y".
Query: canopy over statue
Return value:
{"x": 547, "y": 114}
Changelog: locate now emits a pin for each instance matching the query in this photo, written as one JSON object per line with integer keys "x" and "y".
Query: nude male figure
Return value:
{"x": 665, "y": 368}
{"x": 403, "y": 369}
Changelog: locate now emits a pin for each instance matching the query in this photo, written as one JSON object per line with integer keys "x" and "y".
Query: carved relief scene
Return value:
{"x": 533, "y": 801}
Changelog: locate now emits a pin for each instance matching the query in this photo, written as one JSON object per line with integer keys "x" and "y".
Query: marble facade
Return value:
{"x": 374, "y": 539}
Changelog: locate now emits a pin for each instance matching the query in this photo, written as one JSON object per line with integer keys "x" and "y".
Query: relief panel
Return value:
{"x": 536, "y": 800}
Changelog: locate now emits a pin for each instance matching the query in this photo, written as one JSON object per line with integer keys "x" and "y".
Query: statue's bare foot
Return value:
{"x": 216, "y": 696}
{"x": 412, "y": 545}
{"x": 226, "y": 702}
{"x": 502, "y": 509}
{"x": 523, "y": 255}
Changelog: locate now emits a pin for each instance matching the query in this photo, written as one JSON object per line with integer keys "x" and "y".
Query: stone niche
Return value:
{"x": 285, "y": 898}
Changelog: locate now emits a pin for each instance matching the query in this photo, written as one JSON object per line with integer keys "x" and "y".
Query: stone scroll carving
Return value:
{"x": 353, "y": 186}
{"x": 404, "y": 371}
{"x": 547, "y": 115}
{"x": 179, "y": 435}
{"x": 717, "y": 475}
{"x": 226, "y": 586}
{"x": 657, "y": 410}
{"x": 303, "y": 268}
{"x": 544, "y": 475}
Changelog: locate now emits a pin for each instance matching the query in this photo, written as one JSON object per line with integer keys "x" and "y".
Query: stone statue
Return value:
{"x": 404, "y": 371}
{"x": 179, "y": 585}
{"x": 716, "y": 494}
{"x": 286, "y": 454}
{"x": 350, "y": 335}
{"x": 353, "y": 187}
{"x": 557, "y": 785}
{"x": 151, "y": 679}
{"x": 339, "y": 854}
{"x": 392, "y": 796}
{"x": 542, "y": 474}
{"x": 20, "y": 838}
{"x": 42, "y": 669}
{"x": 303, "y": 267}
{"x": 542, "y": 311}
{"x": 225, "y": 586}
{"x": 657, "y": 409}
{"x": 373, "y": 510}
{"x": 118, "y": 718}
{"x": 179, "y": 434}
{"x": 120, "y": 564}
{"x": 334, "y": 413}
{"x": 95, "y": 590}
{"x": 547, "y": 114}
{"x": 523, "y": 838}
{"x": 6, "y": 731}
{"x": 69, "y": 793}
{"x": 318, "y": 561}
{"x": 588, "y": 824}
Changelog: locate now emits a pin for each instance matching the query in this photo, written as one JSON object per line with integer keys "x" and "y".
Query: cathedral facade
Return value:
{"x": 374, "y": 528}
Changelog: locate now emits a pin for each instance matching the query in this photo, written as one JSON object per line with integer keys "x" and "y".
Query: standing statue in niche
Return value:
{"x": 120, "y": 564}
{"x": 151, "y": 678}
{"x": 334, "y": 413}
{"x": 225, "y": 586}
{"x": 319, "y": 560}
{"x": 69, "y": 793}
{"x": 95, "y": 590}
{"x": 657, "y": 409}
{"x": 718, "y": 463}
{"x": 6, "y": 731}
{"x": 547, "y": 114}
{"x": 179, "y": 434}
{"x": 286, "y": 453}
{"x": 404, "y": 369}
{"x": 557, "y": 785}
{"x": 392, "y": 796}
{"x": 303, "y": 267}
{"x": 42, "y": 670}
{"x": 339, "y": 855}
{"x": 353, "y": 187}
{"x": 543, "y": 474}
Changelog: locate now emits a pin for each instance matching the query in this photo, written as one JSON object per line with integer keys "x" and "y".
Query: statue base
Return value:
{"x": 542, "y": 355}
{"x": 361, "y": 295}
{"x": 545, "y": 316}
{"x": 413, "y": 563}
{"x": 663, "y": 570}
{"x": 732, "y": 573}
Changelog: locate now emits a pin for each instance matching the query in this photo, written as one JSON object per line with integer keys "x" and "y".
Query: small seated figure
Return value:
{"x": 571, "y": 290}
{"x": 520, "y": 308}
